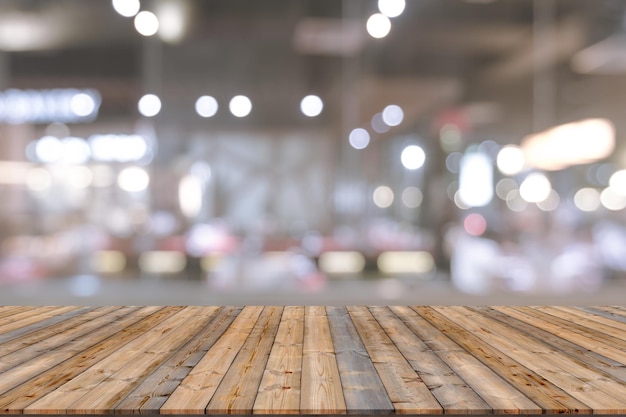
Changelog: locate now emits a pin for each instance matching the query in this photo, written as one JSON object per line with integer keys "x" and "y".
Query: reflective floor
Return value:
{"x": 93, "y": 290}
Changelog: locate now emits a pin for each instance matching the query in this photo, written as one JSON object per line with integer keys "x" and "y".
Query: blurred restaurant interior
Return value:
{"x": 312, "y": 151}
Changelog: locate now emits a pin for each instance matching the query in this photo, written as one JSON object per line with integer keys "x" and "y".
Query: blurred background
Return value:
{"x": 312, "y": 151}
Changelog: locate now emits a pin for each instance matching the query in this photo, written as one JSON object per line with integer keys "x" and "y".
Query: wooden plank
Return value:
{"x": 568, "y": 331}
{"x": 590, "y": 324}
{"x": 63, "y": 364}
{"x": 30, "y": 346}
{"x": 195, "y": 391}
{"x": 363, "y": 390}
{"x": 237, "y": 391}
{"x": 321, "y": 384}
{"x": 457, "y": 379}
{"x": 537, "y": 388}
{"x": 583, "y": 383}
{"x": 104, "y": 384}
{"x": 153, "y": 391}
{"x": 406, "y": 390}
{"x": 28, "y": 317}
{"x": 600, "y": 362}
{"x": 7, "y": 311}
{"x": 279, "y": 391}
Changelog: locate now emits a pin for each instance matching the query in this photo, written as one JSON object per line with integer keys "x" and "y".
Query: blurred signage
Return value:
{"x": 47, "y": 106}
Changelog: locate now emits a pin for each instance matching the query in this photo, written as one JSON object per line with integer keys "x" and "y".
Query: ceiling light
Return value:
{"x": 391, "y": 8}
{"x": 126, "y": 8}
{"x": 146, "y": 23}
{"x": 240, "y": 106}
{"x": 149, "y": 105}
{"x": 206, "y": 106}
{"x": 311, "y": 106}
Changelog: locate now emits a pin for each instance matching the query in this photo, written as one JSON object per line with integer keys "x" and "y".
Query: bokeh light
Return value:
{"x": 383, "y": 196}
{"x": 149, "y": 105}
{"x": 83, "y": 104}
{"x": 475, "y": 224}
{"x": 378, "y": 25}
{"x": 612, "y": 199}
{"x": 311, "y": 106}
{"x": 126, "y": 8}
{"x": 413, "y": 157}
{"x": 146, "y": 23}
{"x": 587, "y": 199}
{"x": 393, "y": 115}
{"x": 510, "y": 160}
{"x": 359, "y": 138}
{"x": 133, "y": 179}
{"x": 206, "y": 106}
{"x": 240, "y": 106}
{"x": 412, "y": 197}
{"x": 391, "y": 8}
{"x": 535, "y": 188}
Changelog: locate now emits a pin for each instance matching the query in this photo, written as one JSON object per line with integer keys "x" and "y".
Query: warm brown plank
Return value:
{"x": 75, "y": 357}
{"x": 579, "y": 335}
{"x": 589, "y": 357}
{"x": 585, "y": 384}
{"x": 153, "y": 391}
{"x": 125, "y": 369}
{"x": 279, "y": 391}
{"x": 362, "y": 388}
{"x": 407, "y": 391}
{"x": 11, "y": 310}
{"x": 321, "y": 384}
{"x": 28, "y": 317}
{"x": 238, "y": 389}
{"x": 538, "y": 389}
{"x": 25, "y": 348}
{"x": 457, "y": 379}
{"x": 195, "y": 391}
{"x": 95, "y": 330}
{"x": 37, "y": 331}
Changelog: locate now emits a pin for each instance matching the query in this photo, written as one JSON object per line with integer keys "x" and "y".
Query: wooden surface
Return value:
{"x": 312, "y": 360}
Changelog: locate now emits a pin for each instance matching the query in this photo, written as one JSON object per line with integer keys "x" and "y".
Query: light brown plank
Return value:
{"x": 153, "y": 391}
{"x": 457, "y": 379}
{"x": 538, "y": 389}
{"x": 128, "y": 367}
{"x": 238, "y": 389}
{"x": 406, "y": 390}
{"x": 587, "y": 385}
{"x": 279, "y": 391}
{"x": 195, "y": 391}
{"x": 321, "y": 384}
{"x": 32, "y": 316}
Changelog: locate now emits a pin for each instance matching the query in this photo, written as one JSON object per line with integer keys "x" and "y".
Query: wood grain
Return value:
{"x": 313, "y": 360}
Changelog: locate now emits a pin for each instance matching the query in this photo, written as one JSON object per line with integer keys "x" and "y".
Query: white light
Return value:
{"x": 383, "y": 196}
{"x": 618, "y": 181}
{"x": 393, "y": 115}
{"x": 162, "y": 262}
{"x": 206, "y": 106}
{"x": 190, "y": 195}
{"x": 82, "y": 104}
{"x": 126, "y": 8}
{"x": 133, "y": 179}
{"x": 49, "y": 149}
{"x": 570, "y": 144}
{"x": 341, "y": 262}
{"x": 146, "y": 23}
{"x": 612, "y": 200}
{"x": 535, "y": 188}
{"x": 391, "y": 8}
{"x": 75, "y": 151}
{"x": 359, "y": 138}
{"x": 418, "y": 262}
{"x": 475, "y": 180}
{"x": 515, "y": 202}
{"x": 551, "y": 203}
{"x": 118, "y": 148}
{"x": 510, "y": 160}
{"x": 412, "y": 197}
{"x": 504, "y": 187}
{"x": 240, "y": 106}
{"x": 587, "y": 199}
{"x": 413, "y": 157}
{"x": 172, "y": 21}
{"x": 38, "y": 179}
{"x": 378, "y": 25}
{"x": 311, "y": 106}
{"x": 149, "y": 105}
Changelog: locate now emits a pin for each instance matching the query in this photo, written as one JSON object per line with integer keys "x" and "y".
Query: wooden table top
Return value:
{"x": 312, "y": 360}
